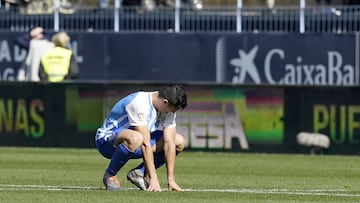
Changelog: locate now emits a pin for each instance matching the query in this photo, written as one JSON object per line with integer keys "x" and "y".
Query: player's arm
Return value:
{"x": 149, "y": 158}
{"x": 170, "y": 156}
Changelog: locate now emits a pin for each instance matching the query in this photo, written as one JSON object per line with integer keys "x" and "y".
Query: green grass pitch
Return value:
{"x": 75, "y": 175}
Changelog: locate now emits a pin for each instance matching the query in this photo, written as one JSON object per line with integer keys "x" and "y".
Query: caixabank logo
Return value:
{"x": 273, "y": 66}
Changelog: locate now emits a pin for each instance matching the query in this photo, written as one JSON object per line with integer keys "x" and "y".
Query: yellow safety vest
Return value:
{"x": 56, "y": 63}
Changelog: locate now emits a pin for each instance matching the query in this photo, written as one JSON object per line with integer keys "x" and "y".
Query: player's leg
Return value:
{"x": 159, "y": 156}
{"x": 137, "y": 175}
{"x": 126, "y": 145}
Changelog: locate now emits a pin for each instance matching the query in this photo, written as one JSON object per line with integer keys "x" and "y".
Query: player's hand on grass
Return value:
{"x": 154, "y": 186}
{"x": 173, "y": 186}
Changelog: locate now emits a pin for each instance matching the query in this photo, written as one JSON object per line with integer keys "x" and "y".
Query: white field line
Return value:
{"x": 343, "y": 193}
{"x": 316, "y": 192}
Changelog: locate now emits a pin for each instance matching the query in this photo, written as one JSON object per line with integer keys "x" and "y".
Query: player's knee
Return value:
{"x": 136, "y": 140}
{"x": 180, "y": 142}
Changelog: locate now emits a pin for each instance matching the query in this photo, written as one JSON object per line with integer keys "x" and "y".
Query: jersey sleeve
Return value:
{"x": 168, "y": 120}
{"x": 138, "y": 110}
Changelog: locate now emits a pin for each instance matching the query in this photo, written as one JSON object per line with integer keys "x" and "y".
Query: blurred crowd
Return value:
{"x": 152, "y": 4}
{"x": 67, "y": 6}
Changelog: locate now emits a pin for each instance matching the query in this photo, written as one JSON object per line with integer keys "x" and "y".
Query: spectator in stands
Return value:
{"x": 59, "y": 63}
{"x": 131, "y": 2}
{"x": 270, "y": 4}
{"x": 23, "y": 41}
{"x": 351, "y": 2}
{"x": 37, "y": 44}
{"x": 328, "y": 8}
{"x": 318, "y": 2}
{"x": 195, "y": 4}
{"x": 103, "y": 3}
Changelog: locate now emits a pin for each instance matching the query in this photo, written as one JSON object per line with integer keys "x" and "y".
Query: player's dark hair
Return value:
{"x": 175, "y": 94}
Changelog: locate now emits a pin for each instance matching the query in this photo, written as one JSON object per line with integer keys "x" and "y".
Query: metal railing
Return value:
{"x": 334, "y": 19}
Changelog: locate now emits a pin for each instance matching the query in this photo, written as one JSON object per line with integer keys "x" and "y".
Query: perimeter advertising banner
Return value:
{"x": 218, "y": 117}
{"x": 334, "y": 112}
{"x": 275, "y": 59}
{"x": 222, "y": 118}
{"x": 290, "y": 59}
{"x": 31, "y": 114}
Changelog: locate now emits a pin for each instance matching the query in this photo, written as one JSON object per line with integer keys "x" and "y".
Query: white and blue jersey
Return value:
{"x": 135, "y": 109}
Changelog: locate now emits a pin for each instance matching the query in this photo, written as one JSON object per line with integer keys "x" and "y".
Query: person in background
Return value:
{"x": 142, "y": 125}
{"x": 36, "y": 44}
{"x": 270, "y": 4}
{"x": 131, "y": 2}
{"x": 23, "y": 41}
{"x": 327, "y": 2}
{"x": 59, "y": 63}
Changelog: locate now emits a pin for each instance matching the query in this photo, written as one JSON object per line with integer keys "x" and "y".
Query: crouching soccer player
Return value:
{"x": 142, "y": 125}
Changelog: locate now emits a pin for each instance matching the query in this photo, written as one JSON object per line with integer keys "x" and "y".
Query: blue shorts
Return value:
{"x": 105, "y": 141}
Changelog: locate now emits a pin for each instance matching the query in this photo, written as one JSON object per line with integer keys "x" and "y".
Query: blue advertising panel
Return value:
{"x": 167, "y": 57}
{"x": 287, "y": 59}
{"x": 11, "y": 56}
{"x": 276, "y": 59}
